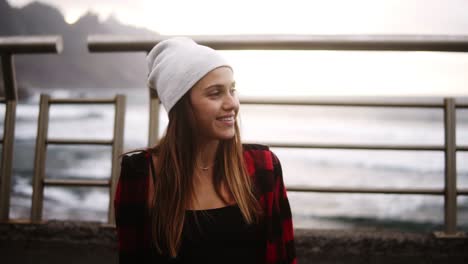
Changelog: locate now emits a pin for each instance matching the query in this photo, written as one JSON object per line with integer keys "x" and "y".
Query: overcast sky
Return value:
{"x": 273, "y": 16}
{"x": 313, "y": 72}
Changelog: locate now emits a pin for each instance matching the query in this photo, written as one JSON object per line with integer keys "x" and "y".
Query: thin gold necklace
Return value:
{"x": 205, "y": 168}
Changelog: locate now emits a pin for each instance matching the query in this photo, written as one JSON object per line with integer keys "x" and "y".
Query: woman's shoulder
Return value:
{"x": 135, "y": 160}
{"x": 263, "y": 166}
{"x": 135, "y": 154}
{"x": 259, "y": 156}
{"x": 254, "y": 147}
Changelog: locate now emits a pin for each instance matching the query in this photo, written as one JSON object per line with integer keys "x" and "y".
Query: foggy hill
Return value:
{"x": 75, "y": 68}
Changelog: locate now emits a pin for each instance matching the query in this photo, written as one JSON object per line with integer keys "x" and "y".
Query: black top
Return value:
{"x": 218, "y": 236}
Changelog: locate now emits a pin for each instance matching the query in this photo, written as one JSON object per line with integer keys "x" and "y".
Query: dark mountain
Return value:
{"x": 75, "y": 68}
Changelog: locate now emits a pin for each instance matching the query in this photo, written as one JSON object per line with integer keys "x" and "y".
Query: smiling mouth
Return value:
{"x": 226, "y": 119}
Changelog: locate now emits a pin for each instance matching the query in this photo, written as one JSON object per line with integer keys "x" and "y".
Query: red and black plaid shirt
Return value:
{"x": 133, "y": 222}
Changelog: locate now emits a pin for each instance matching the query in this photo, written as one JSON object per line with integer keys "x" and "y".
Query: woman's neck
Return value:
{"x": 207, "y": 152}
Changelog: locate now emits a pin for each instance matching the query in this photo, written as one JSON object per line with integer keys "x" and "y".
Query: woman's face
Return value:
{"x": 215, "y": 104}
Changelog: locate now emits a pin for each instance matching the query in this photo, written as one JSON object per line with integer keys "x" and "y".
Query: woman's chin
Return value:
{"x": 226, "y": 136}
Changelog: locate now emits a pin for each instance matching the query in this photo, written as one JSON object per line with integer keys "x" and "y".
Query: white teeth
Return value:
{"x": 227, "y": 119}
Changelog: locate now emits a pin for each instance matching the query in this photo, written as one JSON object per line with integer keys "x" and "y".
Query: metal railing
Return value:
{"x": 106, "y": 43}
{"x": 356, "y": 43}
{"x": 450, "y": 191}
{"x": 10, "y": 46}
{"x": 40, "y": 181}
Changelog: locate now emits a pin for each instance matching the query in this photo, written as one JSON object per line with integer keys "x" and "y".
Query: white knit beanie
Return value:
{"x": 176, "y": 64}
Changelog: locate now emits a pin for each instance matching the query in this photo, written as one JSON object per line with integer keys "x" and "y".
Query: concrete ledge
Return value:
{"x": 360, "y": 246}
{"x": 77, "y": 242}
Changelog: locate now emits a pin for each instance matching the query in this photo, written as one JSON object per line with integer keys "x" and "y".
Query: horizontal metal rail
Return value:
{"x": 362, "y": 146}
{"x": 78, "y": 142}
{"x": 82, "y": 101}
{"x": 36, "y": 44}
{"x": 308, "y": 102}
{"x": 424, "y": 191}
{"x": 355, "y": 147}
{"x": 358, "y": 190}
{"x": 312, "y": 102}
{"x": 102, "y": 43}
{"x": 80, "y": 183}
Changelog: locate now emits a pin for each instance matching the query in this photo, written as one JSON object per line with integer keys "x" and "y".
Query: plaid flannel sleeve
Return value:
{"x": 265, "y": 168}
{"x": 280, "y": 246}
{"x": 130, "y": 209}
{"x": 286, "y": 250}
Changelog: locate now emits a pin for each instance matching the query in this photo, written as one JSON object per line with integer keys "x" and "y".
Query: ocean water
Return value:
{"x": 301, "y": 167}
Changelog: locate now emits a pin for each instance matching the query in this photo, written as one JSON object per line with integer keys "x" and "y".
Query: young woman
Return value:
{"x": 200, "y": 195}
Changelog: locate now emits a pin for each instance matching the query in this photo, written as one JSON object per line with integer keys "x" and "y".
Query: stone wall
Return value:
{"x": 73, "y": 242}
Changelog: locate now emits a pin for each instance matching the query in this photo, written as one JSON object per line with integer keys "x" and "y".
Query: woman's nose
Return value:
{"x": 230, "y": 101}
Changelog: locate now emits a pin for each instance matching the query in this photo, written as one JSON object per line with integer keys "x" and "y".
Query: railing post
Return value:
{"x": 8, "y": 134}
{"x": 450, "y": 190}
{"x": 40, "y": 158}
{"x": 450, "y": 167}
{"x": 9, "y": 77}
{"x": 8, "y": 47}
{"x": 117, "y": 146}
{"x": 154, "y": 106}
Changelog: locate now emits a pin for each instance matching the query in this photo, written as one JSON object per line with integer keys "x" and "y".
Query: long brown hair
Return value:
{"x": 173, "y": 184}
